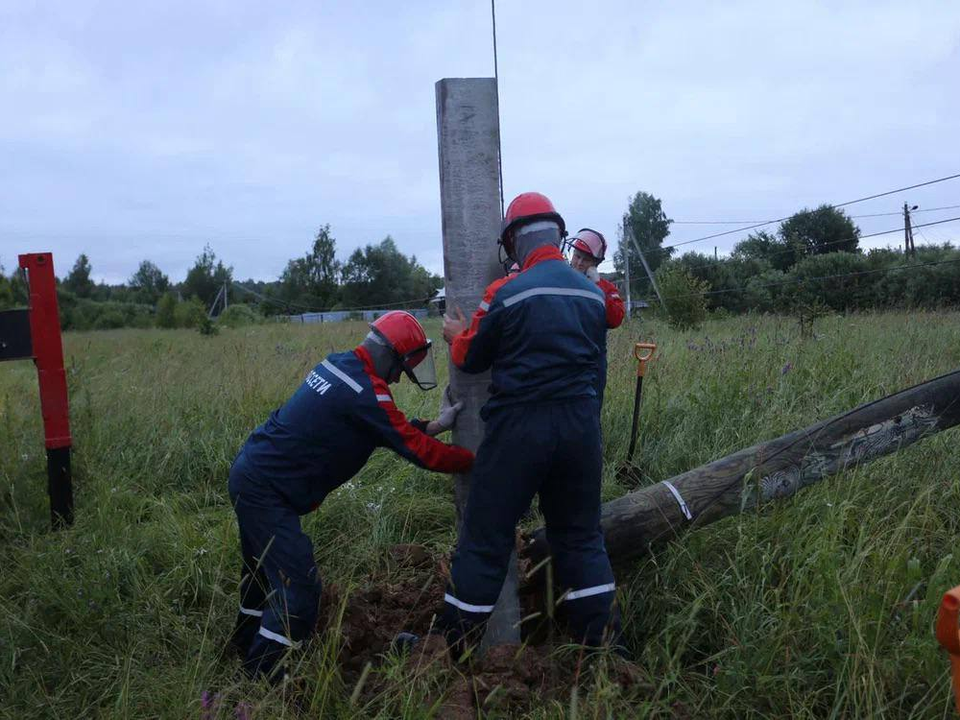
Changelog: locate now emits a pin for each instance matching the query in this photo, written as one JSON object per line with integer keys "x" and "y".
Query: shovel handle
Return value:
{"x": 643, "y": 352}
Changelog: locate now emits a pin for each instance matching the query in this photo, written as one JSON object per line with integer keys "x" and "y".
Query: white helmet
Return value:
{"x": 590, "y": 242}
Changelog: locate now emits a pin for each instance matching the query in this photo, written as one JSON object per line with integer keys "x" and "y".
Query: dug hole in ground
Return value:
{"x": 505, "y": 678}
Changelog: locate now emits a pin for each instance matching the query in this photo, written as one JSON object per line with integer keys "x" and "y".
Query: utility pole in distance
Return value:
{"x": 624, "y": 251}
{"x": 908, "y": 247}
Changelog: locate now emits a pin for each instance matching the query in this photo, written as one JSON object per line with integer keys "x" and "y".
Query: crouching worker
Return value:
{"x": 314, "y": 443}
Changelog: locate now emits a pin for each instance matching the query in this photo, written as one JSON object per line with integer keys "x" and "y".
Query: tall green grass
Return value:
{"x": 821, "y": 606}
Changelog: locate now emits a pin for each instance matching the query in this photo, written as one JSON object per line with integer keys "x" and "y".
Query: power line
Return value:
{"x": 288, "y": 304}
{"x": 810, "y": 251}
{"x": 795, "y": 281}
{"x": 837, "y": 205}
{"x": 714, "y": 222}
{"x": 852, "y": 217}
{"x": 945, "y": 207}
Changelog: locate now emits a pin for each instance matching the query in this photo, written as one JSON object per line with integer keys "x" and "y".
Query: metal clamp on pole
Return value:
{"x": 679, "y": 498}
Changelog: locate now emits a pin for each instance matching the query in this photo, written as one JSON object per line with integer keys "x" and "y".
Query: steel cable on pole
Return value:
{"x": 496, "y": 83}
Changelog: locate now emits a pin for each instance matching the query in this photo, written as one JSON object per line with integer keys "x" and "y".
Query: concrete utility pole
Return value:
{"x": 908, "y": 231}
{"x": 643, "y": 259}
{"x": 468, "y": 132}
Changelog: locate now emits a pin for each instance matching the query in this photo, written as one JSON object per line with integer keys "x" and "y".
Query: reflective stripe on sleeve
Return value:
{"x": 250, "y": 612}
{"x": 467, "y": 606}
{"x": 590, "y": 591}
{"x": 276, "y": 637}
{"x": 484, "y": 305}
{"x": 570, "y": 292}
{"x": 350, "y": 382}
{"x": 384, "y": 398}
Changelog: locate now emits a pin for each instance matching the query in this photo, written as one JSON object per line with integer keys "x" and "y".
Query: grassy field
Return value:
{"x": 821, "y": 606}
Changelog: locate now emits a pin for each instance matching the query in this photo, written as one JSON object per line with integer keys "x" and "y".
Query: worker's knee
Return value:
{"x": 301, "y": 606}
{"x": 479, "y": 569}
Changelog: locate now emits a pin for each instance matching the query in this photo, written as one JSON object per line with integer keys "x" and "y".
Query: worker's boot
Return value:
{"x": 404, "y": 643}
{"x": 244, "y": 630}
{"x": 423, "y": 651}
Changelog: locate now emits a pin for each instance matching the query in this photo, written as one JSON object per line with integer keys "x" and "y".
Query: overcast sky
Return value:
{"x": 132, "y": 130}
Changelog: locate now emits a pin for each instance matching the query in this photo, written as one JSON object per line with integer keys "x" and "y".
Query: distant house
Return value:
{"x": 342, "y": 315}
{"x": 439, "y": 301}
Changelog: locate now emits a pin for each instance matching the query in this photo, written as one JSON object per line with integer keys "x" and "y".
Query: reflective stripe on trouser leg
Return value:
{"x": 272, "y": 533}
{"x": 253, "y": 589}
{"x": 503, "y": 484}
{"x": 592, "y": 615}
{"x": 570, "y": 501}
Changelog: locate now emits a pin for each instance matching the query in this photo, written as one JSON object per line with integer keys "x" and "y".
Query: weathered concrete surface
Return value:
{"x": 468, "y": 132}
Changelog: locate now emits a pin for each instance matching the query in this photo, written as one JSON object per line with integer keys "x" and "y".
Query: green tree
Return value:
{"x": 148, "y": 283}
{"x": 817, "y": 232}
{"x": 206, "y": 277}
{"x": 650, "y": 227}
{"x": 78, "y": 279}
{"x": 167, "y": 311}
{"x": 767, "y": 247}
{"x": 190, "y": 313}
{"x": 684, "y": 296}
{"x": 238, "y": 315}
{"x": 312, "y": 279}
{"x": 6, "y": 291}
{"x": 381, "y": 275}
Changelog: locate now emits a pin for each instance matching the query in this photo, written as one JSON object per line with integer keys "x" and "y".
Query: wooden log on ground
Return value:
{"x": 772, "y": 470}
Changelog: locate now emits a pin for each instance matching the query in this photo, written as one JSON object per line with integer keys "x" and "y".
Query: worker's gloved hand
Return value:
{"x": 448, "y": 411}
{"x": 593, "y": 275}
{"x": 454, "y": 323}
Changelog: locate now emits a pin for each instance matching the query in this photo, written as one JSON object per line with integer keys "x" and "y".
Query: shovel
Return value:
{"x": 643, "y": 352}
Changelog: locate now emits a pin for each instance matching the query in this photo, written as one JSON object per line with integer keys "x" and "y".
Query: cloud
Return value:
{"x": 132, "y": 130}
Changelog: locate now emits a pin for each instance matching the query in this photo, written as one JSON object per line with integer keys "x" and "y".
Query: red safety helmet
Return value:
{"x": 525, "y": 208}
{"x": 590, "y": 242}
{"x": 404, "y": 335}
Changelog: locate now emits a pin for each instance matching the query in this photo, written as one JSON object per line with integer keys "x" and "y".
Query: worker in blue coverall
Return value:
{"x": 542, "y": 333}
{"x": 319, "y": 439}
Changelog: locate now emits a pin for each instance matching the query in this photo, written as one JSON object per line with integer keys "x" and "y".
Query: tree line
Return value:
{"x": 376, "y": 274}
{"x": 813, "y": 263}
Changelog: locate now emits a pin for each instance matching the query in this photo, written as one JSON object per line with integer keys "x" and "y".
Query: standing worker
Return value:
{"x": 314, "y": 443}
{"x": 589, "y": 249}
{"x": 542, "y": 334}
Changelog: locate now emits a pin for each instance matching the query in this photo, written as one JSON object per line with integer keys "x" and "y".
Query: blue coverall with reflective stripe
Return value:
{"x": 313, "y": 444}
{"x": 542, "y": 333}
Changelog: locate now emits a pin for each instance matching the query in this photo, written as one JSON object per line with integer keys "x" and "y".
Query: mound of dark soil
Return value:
{"x": 507, "y": 678}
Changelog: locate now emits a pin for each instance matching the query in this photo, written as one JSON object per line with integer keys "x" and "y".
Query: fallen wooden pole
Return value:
{"x": 772, "y": 470}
